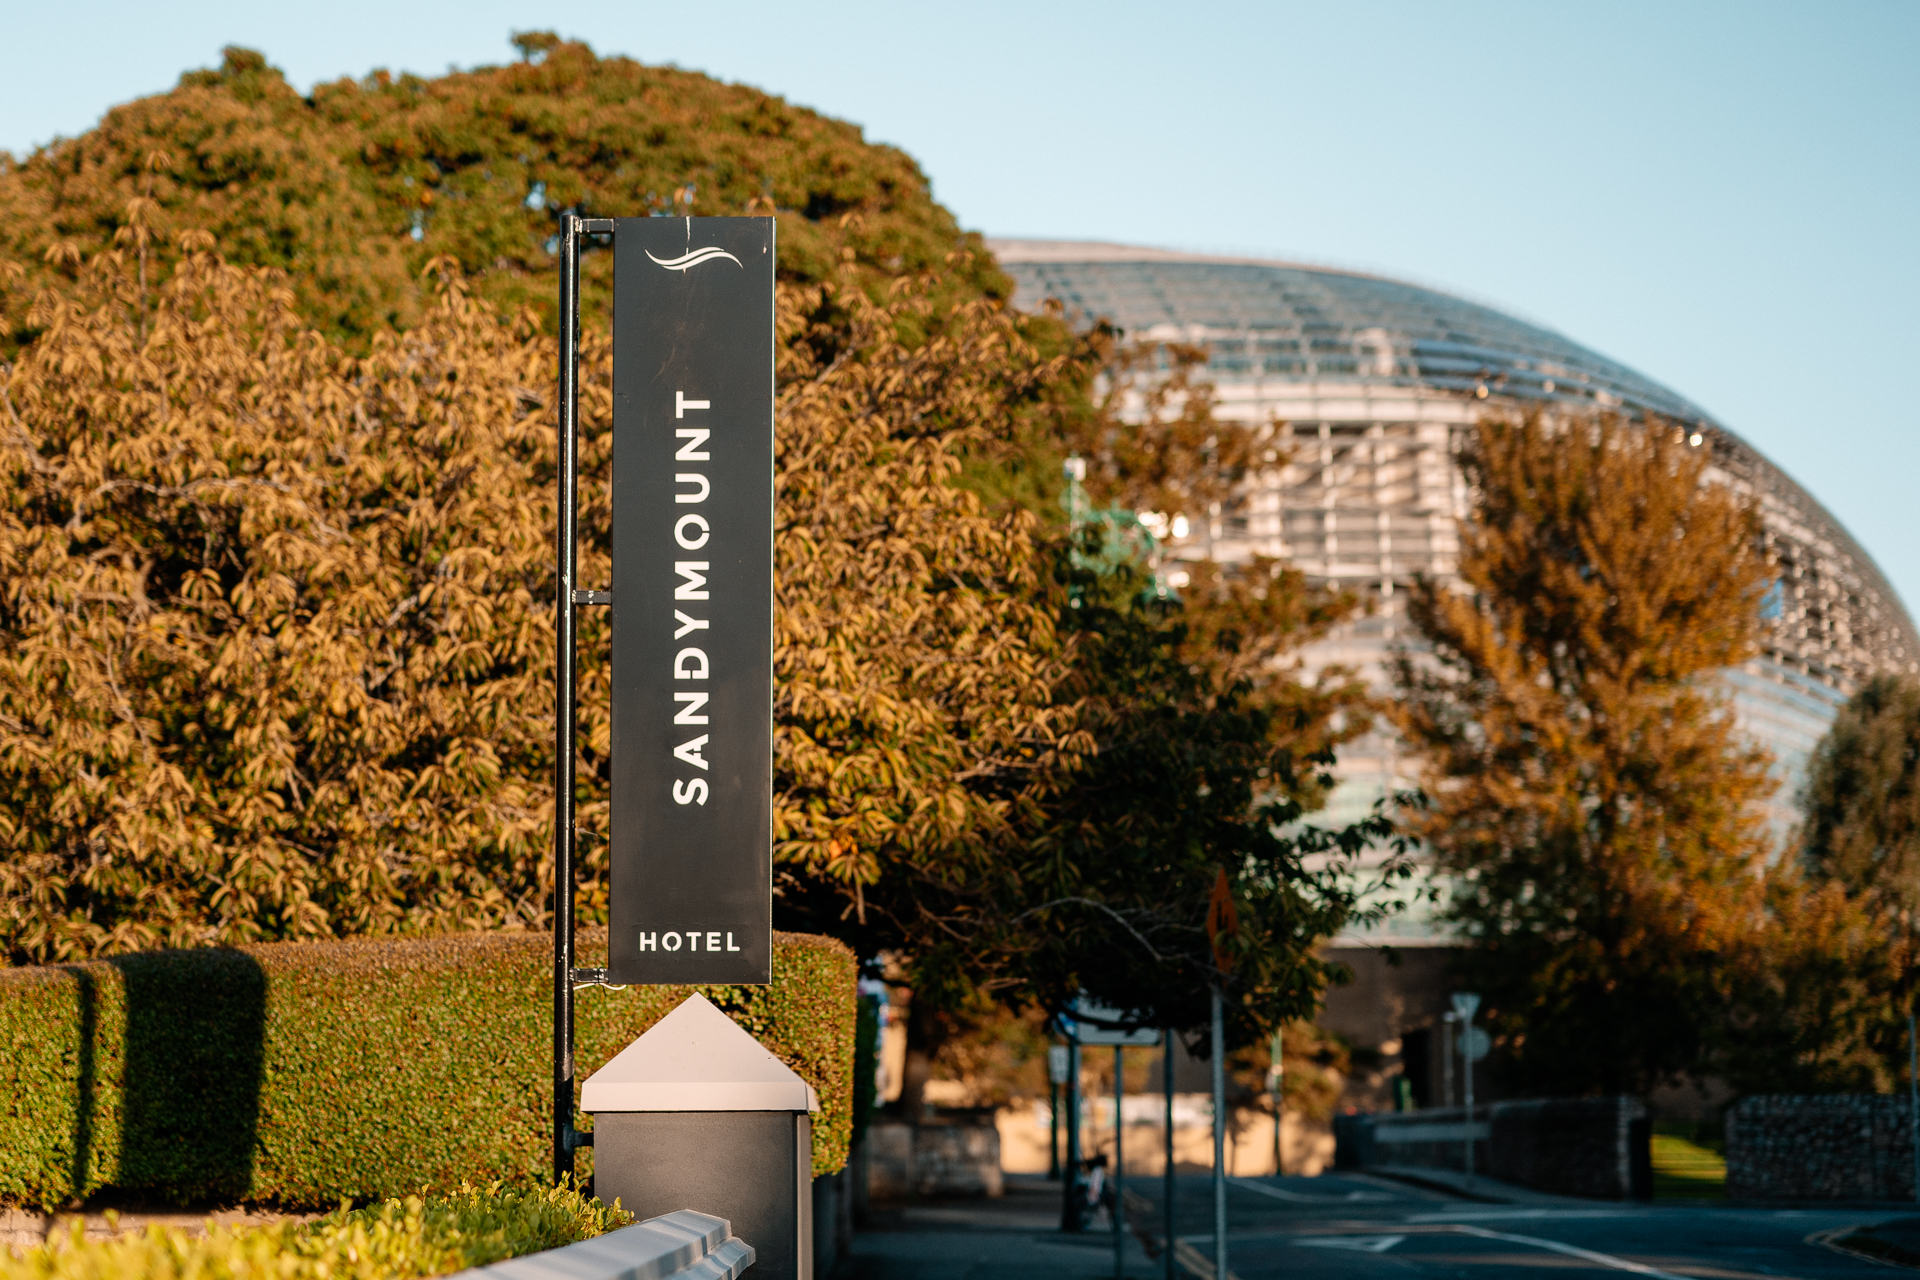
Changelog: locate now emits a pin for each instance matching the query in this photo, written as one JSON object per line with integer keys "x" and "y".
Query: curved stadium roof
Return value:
{"x": 1835, "y": 619}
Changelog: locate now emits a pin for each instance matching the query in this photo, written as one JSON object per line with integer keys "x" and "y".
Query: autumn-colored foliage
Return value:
{"x": 918, "y": 668}
{"x": 276, "y": 579}
{"x": 277, "y": 645}
{"x": 273, "y": 628}
{"x": 1147, "y": 430}
{"x": 1197, "y": 742}
{"x": 1590, "y": 791}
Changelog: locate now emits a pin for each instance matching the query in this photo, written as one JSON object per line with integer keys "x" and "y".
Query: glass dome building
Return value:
{"x": 1372, "y": 381}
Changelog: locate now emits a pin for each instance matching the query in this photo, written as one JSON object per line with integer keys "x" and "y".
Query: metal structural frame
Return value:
{"x": 566, "y": 1137}
{"x": 1371, "y": 383}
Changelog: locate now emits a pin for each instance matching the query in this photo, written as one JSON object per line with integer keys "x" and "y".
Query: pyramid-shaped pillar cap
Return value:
{"x": 696, "y": 1059}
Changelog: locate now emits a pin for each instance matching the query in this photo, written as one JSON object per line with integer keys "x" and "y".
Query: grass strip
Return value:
{"x": 1685, "y": 1170}
{"x": 398, "y": 1239}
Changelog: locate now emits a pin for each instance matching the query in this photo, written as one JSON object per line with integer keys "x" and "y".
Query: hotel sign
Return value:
{"x": 692, "y": 766}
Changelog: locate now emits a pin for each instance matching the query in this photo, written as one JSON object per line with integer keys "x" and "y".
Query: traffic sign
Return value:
{"x": 1098, "y": 1024}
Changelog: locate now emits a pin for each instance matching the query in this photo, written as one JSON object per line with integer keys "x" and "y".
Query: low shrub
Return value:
{"x": 396, "y": 1240}
{"x": 303, "y": 1073}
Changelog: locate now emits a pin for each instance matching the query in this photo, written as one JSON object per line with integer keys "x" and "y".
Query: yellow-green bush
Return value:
{"x": 303, "y": 1073}
{"x": 396, "y": 1240}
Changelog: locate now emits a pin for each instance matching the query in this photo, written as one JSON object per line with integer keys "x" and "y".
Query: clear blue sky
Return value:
{"x": 1725, "y": 196}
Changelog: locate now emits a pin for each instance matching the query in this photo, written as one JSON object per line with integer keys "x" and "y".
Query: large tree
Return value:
{"x": 275, "y": 637}
{"x": 387, "y": 372}
{"x": 352, "y": 188}
{"x": 1592, "y": 798}
{"x": 1201, "y": 744}
{"x": 278, "y": 574}
{"x": 1861, "y": 806}
{"x": 1830, "y": 980}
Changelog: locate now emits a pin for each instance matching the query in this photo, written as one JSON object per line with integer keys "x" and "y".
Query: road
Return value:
{"x": 1339, "y": 1227}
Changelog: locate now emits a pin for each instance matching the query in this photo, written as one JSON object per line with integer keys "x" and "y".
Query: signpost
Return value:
{"x": 1223, "y": 921}
{"x": 1465, "y": 1005}
{"x": 1093, "y": 1024}
{"x": 1057, "y": 1061}
{"x": 690, "y": 884}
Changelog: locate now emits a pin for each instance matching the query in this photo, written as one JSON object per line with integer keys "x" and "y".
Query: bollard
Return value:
{"x": 697, "y": 1113}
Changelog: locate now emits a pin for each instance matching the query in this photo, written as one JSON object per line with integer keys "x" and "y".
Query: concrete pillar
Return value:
{"x": 697, "y": 1114}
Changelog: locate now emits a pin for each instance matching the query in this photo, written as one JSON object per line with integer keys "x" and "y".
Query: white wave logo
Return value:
{"x": 694, "y": 257}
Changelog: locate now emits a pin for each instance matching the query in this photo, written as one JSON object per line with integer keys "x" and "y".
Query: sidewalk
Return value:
{"x": 1014, "y": 1237}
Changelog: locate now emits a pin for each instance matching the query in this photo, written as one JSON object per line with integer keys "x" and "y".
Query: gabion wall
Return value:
{"x": 1843, "y": 1146}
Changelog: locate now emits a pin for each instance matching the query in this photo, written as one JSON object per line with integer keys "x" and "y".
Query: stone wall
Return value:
{"x": 1592, "y": 1147}
{"x": 1840, "y": 1146}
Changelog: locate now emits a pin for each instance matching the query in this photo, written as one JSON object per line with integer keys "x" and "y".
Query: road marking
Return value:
{"x": 1195, "y": 1263}
{"x": 1572, "y": 1251}
{"x": 1294, "y": 1197}
{"x": 1492, "y": 1215}
{"x": 1365, "y": 1244}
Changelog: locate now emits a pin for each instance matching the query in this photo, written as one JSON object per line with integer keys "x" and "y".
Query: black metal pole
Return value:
{"x": 1053, "y": 1132}
{"x": 1119, "y": 1162}
{"x": 1166, "y": 1209}
{"x": 1913, "y": 1096}
{"x": 1219, "y": 1037}
{"x": 563, "y": 702}
{"x": 1070, "y": 1202}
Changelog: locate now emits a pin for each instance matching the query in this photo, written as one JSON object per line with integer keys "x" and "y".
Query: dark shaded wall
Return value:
{"x": 1846, "y": 1146}
{"x": 1595, "y": 1148}
{"x": 1391, "y": 1015}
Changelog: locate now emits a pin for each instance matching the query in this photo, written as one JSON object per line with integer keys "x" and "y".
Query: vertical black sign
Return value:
{"x": 691, "y": 875}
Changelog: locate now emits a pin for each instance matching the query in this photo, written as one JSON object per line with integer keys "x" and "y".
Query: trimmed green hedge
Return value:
{"x": 299, "y": 1073}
